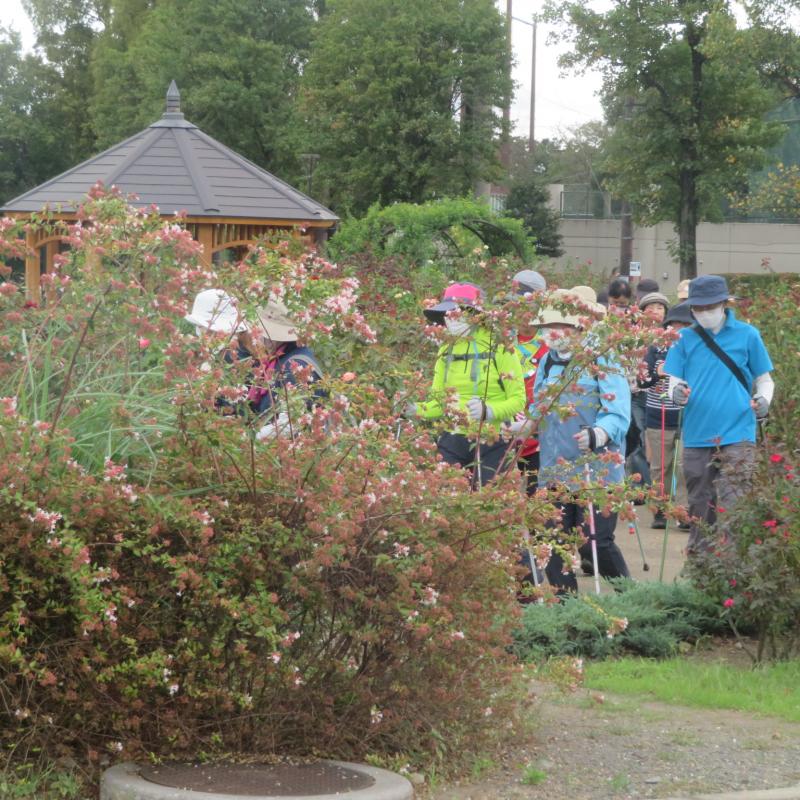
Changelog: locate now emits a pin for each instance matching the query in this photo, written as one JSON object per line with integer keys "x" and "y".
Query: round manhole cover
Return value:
{"x": 279, "y": 780}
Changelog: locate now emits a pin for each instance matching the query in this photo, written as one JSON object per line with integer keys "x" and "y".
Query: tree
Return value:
{"x": 528, "y": 200}
{"x": 236, "y": 63}
{"x": 32, "y": 120}
{"x": 401, "y": 98}
{"x": 683, "y": 89}
{"x": 66, "y": 31}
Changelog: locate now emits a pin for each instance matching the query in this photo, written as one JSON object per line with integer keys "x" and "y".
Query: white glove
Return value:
{"x": 680, "y": 394}
{"x": 584, "y": 439}
{"x": 478, "y": 410}
{"x": 275, "y": 428}
{"x": 521, "y": 427}
{"x": 760, "y": 405}
{"x": 410, "y": 410}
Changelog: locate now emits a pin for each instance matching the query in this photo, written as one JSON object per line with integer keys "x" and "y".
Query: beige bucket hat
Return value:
{"x": 275, "y": 323}
{"x": 585, "y": 295}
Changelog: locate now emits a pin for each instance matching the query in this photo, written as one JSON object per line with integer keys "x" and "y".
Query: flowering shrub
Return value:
{"x": 753, "y": 569}
{"x": 172, "y": 585}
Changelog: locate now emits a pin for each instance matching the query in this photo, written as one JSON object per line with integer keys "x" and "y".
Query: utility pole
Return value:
{"x": 505, "y": 147}
{"x": 626, "y": 219}
{"x": 531, "y": 140}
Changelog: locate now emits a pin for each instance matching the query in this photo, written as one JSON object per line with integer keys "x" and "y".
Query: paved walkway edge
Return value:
{"x": 789, "y": 793}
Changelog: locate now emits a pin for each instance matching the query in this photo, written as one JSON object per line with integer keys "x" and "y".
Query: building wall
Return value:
{"x": 721, "y": 249}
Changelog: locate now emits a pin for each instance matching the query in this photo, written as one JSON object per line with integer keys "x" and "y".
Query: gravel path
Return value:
{"x": 587, "y": 746}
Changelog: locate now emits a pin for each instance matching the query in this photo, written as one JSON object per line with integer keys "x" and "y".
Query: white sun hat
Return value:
{"x": 275, "y": 323}
{"x": 216, "y": 310}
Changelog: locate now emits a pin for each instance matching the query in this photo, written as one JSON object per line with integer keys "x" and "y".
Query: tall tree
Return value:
{"x": 32, "y": 121}
{"x": 401, "y": 98}
{"x": 698, "y": 96}
{"x": 66, "y": 31}
{"x": 236, "y": 62}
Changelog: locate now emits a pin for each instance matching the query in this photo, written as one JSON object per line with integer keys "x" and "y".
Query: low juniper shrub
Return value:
{"x": 647, "y": 619}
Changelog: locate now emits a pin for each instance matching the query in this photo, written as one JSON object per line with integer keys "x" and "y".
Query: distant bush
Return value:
{"x": 439, "y": 229}
{"x": 657, "y": 617}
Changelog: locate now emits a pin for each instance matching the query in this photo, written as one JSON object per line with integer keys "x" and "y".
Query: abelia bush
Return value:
{"x": 172, "y": 583}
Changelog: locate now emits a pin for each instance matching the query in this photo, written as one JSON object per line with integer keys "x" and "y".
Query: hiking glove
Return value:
{"x": 521, "y": 426}
{"x": 410, "y": 410}
{"x": 760, "y": 406}
{"x": 591, "y": 439}
{"x": 680, "y": 394}
{"x": 478, "y": 410}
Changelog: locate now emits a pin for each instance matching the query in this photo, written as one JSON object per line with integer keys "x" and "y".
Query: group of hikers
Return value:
{"x": 696, "y": 401}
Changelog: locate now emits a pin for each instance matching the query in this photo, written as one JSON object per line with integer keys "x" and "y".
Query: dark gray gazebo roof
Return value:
{"x": 177, "y": 167}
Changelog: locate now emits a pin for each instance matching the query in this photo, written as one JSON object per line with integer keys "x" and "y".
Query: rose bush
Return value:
{"x": 753, "y": 568}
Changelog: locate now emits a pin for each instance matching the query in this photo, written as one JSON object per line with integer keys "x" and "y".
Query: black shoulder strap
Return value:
{"x": 550, "y": 362}
{"x": 721, "y": 355}
{"x": 303, "y": 358}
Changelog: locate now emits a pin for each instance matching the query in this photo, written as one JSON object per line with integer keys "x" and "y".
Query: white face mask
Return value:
{"x": 457, "y": 327}
{"x": 557, "y": 341}
{"x": 710, "y": 319}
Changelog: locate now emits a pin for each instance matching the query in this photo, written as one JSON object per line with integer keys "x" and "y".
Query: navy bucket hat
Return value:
{"x": 679, "y": 313}
{"x": 708, "y": 290}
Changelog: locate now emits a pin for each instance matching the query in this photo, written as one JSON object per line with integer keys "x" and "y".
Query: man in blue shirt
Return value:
{"x": 722, "y": 401}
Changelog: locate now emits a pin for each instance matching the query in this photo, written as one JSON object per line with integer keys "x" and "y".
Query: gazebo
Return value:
{"x": 229, "y": 201}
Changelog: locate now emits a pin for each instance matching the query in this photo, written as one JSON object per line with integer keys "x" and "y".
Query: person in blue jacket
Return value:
{"x": 720, "y": 374}
{"x": 598, "y": 426}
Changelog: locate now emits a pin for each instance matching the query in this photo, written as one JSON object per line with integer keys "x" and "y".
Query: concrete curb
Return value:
{"x": 123, "y": 782}
{"x": 789, "y": 793}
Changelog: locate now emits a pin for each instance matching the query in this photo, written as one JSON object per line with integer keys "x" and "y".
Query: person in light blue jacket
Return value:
{"x": 594, "y": 432}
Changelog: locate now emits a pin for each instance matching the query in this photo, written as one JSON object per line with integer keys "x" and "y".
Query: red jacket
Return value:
{"x": 530, "y": 359}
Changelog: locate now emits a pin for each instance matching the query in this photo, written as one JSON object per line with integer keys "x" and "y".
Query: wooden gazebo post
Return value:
{"x": 32, "y": 268}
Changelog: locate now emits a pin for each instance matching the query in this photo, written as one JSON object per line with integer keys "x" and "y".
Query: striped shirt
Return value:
{"x": 658, "y": 397}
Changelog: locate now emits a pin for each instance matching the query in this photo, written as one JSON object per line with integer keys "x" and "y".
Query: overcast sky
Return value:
{"x": 562, "y": 103}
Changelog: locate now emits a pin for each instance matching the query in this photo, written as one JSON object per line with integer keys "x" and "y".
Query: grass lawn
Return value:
{"x": 770, "y": 690}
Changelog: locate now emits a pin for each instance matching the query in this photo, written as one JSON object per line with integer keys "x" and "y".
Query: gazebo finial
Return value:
{"x": 173, "y": 99}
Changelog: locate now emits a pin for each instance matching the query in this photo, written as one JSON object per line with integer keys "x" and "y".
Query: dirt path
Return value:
{"x": 586, "y": 746}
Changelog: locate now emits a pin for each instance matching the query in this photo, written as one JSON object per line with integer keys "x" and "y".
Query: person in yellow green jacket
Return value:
{"x": 483, "y": 375}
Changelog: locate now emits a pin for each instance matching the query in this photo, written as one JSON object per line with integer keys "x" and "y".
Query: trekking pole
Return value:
{"x": 478, "y": 472}
{"x": 399, "y": 428}
{"x": 633, "y": 528}
{"x": 673, "y": 490}
{"x": 663, "y": 436}
{"x": 534, "y": 569}
{"x": 587, "y": 471}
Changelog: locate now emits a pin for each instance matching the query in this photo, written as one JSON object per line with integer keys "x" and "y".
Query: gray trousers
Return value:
{"x": 716, "y": 477}
{"x": 671, "y": 443}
